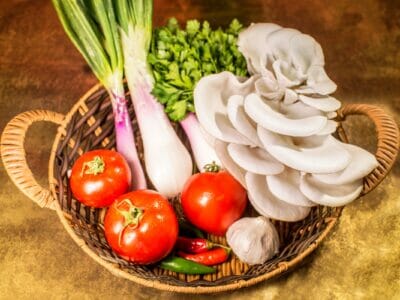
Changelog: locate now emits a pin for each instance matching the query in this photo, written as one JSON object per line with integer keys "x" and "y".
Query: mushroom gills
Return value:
{"x": 286, "y": 187}
{"x": 255, "y": 160}
{"x": 328, "y": 157}
{"x": 265, "y": 203}
{"x": 361, "y": 164}
{"x": 264, "y": 115}
{"x": 240, "y": 120}
{"x": 237, "y": 172}
{"x": 330, "y": 194}
{"x": 211, "y": 97}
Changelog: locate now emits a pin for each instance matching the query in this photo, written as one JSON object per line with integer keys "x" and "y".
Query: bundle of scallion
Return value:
{"x": 168, "y": 162}
{"x": 98, "y": 28}
{"x": 92, "y": 27}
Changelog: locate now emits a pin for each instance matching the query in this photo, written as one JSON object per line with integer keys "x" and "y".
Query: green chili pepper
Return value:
{"x": 181, "y": 265}
{"x": 189, "y": 230}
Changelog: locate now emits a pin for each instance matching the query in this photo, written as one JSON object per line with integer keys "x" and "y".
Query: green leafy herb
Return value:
{"x": 180, "y": 57}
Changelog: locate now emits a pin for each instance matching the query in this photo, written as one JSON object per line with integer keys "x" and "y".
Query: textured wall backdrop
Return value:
{"x": 40, "y": 69}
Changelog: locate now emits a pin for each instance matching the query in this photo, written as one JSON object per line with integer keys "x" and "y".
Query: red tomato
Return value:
{"x": 98, "y": 177}
{"x": 141, "y": 226}
{"x": 213, "y": 201}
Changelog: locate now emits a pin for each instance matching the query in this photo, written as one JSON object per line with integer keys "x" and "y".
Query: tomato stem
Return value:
{"x": 95, "y": 166}
{"x": 213, "y": 167}
{"x": 132, "y": 216}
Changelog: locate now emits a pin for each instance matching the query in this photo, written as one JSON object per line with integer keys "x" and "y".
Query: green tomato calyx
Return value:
{"x": 132, "y": 216}
{"x": 213, "y": 167}
{"x": 95, "y": 166}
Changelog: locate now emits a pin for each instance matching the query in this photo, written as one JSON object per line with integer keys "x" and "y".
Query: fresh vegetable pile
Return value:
{"x": 271, "y": 134}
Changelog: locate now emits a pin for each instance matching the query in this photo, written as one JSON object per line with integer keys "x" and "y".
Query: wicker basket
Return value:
{"x": 89, "y": 125}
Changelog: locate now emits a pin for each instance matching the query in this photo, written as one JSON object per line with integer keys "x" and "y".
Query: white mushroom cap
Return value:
{"x": 263, "y": 44}
{"x": 361, "y": 164}
{"x": 252, "y": 43}
{"x": 227, "y": 162}
{"x": 211, "y": 98}
{"x": 286, "y": 187}
{"x": 255, "y": 160}
{"x": 239, "y": 119}
{"x": 270, "y": 119}
{"x": 325, "y": 104}
{"x": 330, "y": 194}
{"x": 330, "y": 156}
{"x": 268, "y": 205}
{"x": 299, "y": 110}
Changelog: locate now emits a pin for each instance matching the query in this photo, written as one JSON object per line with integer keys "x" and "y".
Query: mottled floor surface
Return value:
{"x": 39, "y": 69}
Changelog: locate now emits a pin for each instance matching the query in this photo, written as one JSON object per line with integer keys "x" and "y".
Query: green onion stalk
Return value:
{"x": 168, "y": 162}
{"x": 91, "y": 25}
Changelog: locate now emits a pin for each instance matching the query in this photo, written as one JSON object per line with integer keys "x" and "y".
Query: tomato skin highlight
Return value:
{"x": 213, "y": 201}
{"x": 154, "y": 235}
{"x": 102, "y": 188}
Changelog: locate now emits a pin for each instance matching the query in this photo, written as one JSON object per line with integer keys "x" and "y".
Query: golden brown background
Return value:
{"x": 40, "y": 69}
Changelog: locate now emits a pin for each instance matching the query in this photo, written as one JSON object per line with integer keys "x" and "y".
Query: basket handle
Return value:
{"x": 14, "y": 156}
{"x": 388, "y": 140}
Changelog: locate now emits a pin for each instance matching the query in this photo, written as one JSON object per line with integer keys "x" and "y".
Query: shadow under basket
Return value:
{"x": 89, "y": 125}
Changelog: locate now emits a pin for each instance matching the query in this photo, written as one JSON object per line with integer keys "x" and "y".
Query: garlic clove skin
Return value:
{"x": 255, "y": 160}
{"x": 330, "y": 194}
{"x": 266, "y": 204}
{"x": 265, "y": 116}
{"x": 253, "y": 240}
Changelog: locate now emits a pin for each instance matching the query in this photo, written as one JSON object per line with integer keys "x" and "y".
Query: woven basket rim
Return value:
{"x": 282, "y": 266}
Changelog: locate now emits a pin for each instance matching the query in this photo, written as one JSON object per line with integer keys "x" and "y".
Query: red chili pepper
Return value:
{"x": 212, "y": 257}
{"x": 193, "y": 245}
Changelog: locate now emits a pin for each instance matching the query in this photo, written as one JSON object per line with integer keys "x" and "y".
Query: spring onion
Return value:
{"x": 168, "y": 162}
{"x": 91, "y": 26}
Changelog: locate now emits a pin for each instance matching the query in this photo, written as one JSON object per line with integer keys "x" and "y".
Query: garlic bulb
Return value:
{"x": 253, "y": 240}
{"x": 273, "y": 131}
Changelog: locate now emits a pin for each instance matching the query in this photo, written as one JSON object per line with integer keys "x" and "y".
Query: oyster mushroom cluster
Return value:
{"x": 273, "y": 131}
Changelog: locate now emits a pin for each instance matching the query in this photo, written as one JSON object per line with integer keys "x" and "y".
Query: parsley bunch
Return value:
{"x": 180, "y": 57}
